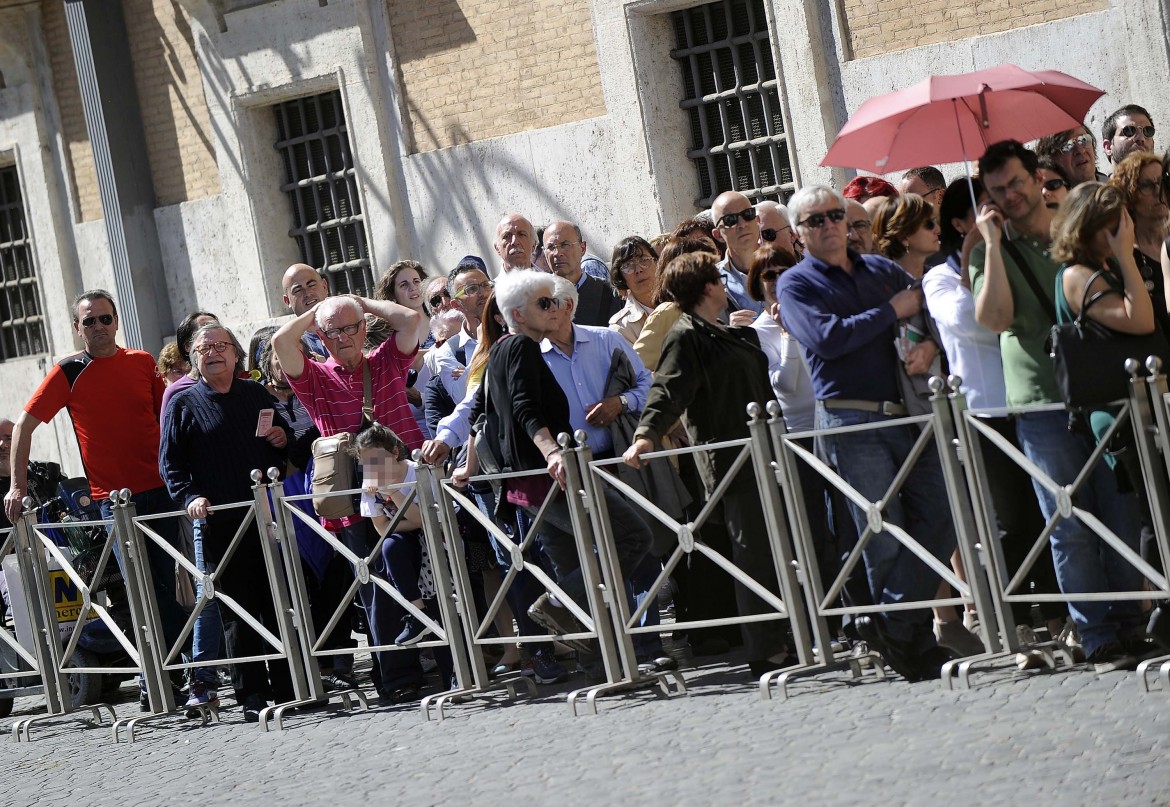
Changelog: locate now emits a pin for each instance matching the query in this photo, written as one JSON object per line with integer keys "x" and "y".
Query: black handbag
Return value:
{"x": 1088, "y": 358}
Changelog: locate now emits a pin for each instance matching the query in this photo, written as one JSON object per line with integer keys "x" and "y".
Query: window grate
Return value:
{"x": 22, "y": 324}
{"x": 321, "y": 186}
{"x": 732, "y": 98}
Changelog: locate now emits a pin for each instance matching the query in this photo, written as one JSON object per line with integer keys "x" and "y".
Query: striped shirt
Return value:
{"x": 333, "y": 395}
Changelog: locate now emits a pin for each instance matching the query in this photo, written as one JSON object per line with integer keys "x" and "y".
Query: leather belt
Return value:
{"x": 890, "y": 408}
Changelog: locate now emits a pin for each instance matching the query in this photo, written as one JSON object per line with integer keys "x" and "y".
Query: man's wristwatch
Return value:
{"x": 625, "y": 403}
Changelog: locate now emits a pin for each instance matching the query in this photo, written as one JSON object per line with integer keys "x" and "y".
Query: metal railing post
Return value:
{"x": 46, "y": 647}
{"x": 779, "y": 537}
{"x": 991, "y": 618}
{"x": 289, "y": 620}
{"x": 148, "y": 634}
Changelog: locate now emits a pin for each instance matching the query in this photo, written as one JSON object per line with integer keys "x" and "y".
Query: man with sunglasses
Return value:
{"x": 775, "y": 227}
{"x": 114, "y": 397}
{"x": 843, "y": 309}
{"x": 469, "y": 288}
{"x": 1127, "y": 130}
{"x": 737, "y": 225}
{"x": 333, "y": 392}
{"x": 1075, "y": 151}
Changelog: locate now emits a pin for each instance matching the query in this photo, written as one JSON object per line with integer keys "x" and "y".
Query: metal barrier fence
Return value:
{"x": 17, "y": 662}
{"x": 788, "y": 604}
{"x": 974, "y": 436}
{"x": 770, "y": 456}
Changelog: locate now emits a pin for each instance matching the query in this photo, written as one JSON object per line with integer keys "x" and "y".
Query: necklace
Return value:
{"x": 1147, "y": 267}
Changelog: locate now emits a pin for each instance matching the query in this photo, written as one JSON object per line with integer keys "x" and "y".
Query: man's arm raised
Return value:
{"x": 403, "y": 320}
{"x": 994, "y": 307}
{"x": 286, "y": 343}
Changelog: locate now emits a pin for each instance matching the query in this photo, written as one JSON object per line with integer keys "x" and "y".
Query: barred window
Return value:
{"x": 22, "y": 325}
{"x": 732, "y": 97}
{"x": 328, "y": 224}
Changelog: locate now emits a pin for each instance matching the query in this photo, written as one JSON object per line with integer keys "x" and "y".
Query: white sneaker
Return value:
{"x": 1028, "y": 658}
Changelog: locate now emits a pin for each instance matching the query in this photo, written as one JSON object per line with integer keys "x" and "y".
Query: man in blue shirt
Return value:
{"x": 843, "y": 308}
{"x": 737, "y": 226}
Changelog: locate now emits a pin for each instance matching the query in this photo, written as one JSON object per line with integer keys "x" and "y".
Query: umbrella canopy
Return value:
{"x": 946, "y": 119}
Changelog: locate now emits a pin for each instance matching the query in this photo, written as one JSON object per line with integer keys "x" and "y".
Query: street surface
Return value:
{"x": 1069, "y": 737}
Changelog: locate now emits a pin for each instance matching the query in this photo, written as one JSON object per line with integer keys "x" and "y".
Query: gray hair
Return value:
{"x": 215, "y": 326}
{"x": 514, "y": 289}
{"x": 566, "y": 291}
{"x": 809, "y": 197}
{"x": 335, "y": 305}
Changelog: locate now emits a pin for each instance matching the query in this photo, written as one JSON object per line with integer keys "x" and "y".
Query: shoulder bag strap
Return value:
{"x": 1087, "y": 300}
{"x": 367, "y": 390}
{"x": 1029, "y": 278}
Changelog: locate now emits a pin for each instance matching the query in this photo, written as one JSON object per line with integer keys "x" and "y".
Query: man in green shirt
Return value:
{"x": 1022, "y": 312}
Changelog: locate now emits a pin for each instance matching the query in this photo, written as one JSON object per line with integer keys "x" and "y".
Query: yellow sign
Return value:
{"x": 66, "y": 595}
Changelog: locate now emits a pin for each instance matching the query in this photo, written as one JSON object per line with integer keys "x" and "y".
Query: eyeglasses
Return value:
{"x": 817, "y": 220}
{"x": 860, "y": 226}
{"x": 731, "y": 219}
{"x": 1080, "y": 141}
{"x": 217, "y": 347}
{"x": 1053, "y": 185}
{"x": 769, "y": 275}
{"x": 1130, "y": 131}
{"x": 104, "y": 319}
{"x": 348, "y": 330}
{"x": 771, "y": 235}
{"x": 473, "y": 288}
{"x": 436, "y": 300}
{"x": 1149, "y": 187}
{"x": 560, "y": 246}
{"x": 930, "y": 223}
{"x": 635, "y": 265}
{"x": 548, "y": 303}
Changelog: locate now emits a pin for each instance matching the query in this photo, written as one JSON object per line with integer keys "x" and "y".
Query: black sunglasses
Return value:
{"x": 546, "y": 303}
{"x": 731, "y": 219}
{"x": 1130, "y": 131}
{"x": 1056, "y": 184}
{"x": 769, "y": 275}
{"x": 437, "y": 299}
{"x": 104, "y": 319}
{"x": 817, "y": 220}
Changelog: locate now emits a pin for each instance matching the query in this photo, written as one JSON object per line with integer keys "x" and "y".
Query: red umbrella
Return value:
{"x": 950, "y": 118}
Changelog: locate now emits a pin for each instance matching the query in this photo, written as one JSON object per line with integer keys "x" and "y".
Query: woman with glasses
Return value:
{"x": 633, "y": 272}
{"x": 786, "y": 368}
{"x": 711, "y": 372}
{"x": 1139, "y": 178}
{"x": 906, "y": 231}
{"x": 1054, "y": 182}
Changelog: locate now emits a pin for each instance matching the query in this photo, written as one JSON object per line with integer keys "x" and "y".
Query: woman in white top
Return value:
{"x": 633, "y": 272}
{"x": 786, "y": 368}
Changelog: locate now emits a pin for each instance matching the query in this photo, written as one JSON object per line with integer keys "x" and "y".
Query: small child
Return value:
{"x": 387, "y": 482}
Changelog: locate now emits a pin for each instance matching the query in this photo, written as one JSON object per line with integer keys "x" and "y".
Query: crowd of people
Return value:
{"x": 840, "y": 305}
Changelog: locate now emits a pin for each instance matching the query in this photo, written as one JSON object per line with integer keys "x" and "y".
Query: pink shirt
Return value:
{"x": 333, "y": 395}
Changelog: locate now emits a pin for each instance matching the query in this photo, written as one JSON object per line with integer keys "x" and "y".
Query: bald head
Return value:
{"x": 742, "y": 235}
{"x": 303, "y": 287}
{"x": 515, "y": 242}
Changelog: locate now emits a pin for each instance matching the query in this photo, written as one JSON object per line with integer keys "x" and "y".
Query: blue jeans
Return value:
{"x": 1084, "y": 562}
{"x": 207, "y": 637}
{"x": 869, "y": 461}
{"x": 162, "y": 566}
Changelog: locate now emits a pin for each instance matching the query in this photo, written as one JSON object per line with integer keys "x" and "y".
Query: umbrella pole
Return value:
{"x": 966, "y": 162}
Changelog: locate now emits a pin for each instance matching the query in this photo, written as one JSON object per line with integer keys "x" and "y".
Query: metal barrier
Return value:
{"x": 1151, "y": 415}
{"x": 447, "y": 631}
{"x": 593, "y": 615}
{"x": 56, "y": 661}
{"x": 935, "y": 429}
{"x": 13, "y": 654}
{"x": 788, "y": 605}
{"x": 972, "y": 434}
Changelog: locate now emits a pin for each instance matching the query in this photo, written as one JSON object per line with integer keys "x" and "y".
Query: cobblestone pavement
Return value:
{"x": 1067, "y": 737}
